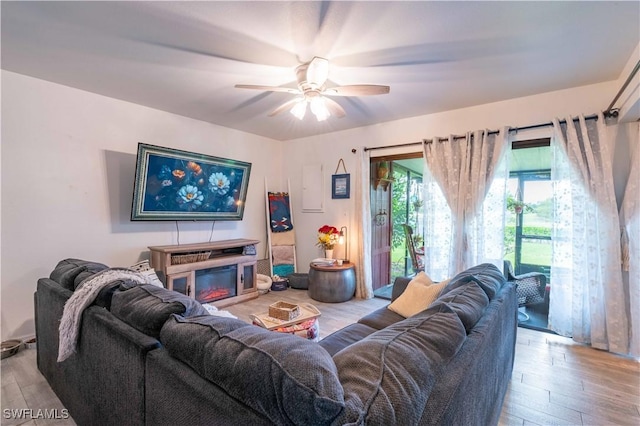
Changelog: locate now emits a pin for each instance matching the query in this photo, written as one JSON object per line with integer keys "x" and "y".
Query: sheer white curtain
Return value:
{"x": 630, "y": 218}
{"x": 464, "y": 191}
{"x": 364, "y": 283}
{"x": 587, "y": 294}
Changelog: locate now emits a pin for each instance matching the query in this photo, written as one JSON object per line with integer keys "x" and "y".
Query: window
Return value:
{"x": 529, "y": 208}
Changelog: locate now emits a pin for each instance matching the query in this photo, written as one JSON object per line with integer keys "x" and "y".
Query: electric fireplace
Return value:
{"x": 221, "y": 273}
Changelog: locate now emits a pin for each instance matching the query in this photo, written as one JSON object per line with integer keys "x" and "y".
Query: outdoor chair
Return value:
{"x": 416, "y": 263}
{"x": 530, "y": 288}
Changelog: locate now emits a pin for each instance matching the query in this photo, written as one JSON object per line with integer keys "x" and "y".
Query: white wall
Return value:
{"x": 68, "y": 163}
{"x": 328, "y": 149}
{"x": 67, "y": 180}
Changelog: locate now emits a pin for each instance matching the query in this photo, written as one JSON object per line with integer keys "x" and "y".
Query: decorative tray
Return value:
{"x": 307, "y": 311}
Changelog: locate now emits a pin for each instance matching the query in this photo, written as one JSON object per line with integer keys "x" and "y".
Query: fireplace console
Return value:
{"x": 220, "y": 272}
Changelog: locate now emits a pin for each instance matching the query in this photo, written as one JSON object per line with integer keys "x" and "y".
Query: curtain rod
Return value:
{"x": 612, "y": 113}
{"x": 624, "y": 86}
{"x": 609, "y": 112}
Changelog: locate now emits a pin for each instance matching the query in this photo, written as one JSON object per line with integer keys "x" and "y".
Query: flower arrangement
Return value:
{"x": 327, "y": 237}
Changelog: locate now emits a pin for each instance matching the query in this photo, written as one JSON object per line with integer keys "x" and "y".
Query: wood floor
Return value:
{"x": 555, "y": 381}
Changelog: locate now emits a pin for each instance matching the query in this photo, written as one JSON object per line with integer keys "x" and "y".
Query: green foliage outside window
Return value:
{"x": 399, "y": 207}
{"x": 406, "y": 204}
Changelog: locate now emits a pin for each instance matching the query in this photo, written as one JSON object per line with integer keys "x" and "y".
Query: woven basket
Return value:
{"x": 181, "y": 259}
{"x": 284, "y": 311}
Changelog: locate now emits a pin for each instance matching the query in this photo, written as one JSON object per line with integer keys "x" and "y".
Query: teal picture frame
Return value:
{"x": 341, "y": 186}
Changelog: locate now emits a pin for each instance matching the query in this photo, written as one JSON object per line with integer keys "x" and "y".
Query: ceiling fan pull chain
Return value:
{"x": 341, "y": 161}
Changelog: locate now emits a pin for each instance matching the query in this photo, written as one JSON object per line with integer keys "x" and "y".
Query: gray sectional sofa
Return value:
{"x": 149, "y": 356}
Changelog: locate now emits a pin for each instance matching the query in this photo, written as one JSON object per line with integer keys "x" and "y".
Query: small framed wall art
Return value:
{"x": 341, "y": 184}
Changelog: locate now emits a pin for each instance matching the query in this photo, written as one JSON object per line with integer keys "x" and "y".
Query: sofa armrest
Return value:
{"x": 104, "y": 381}
{"x": 399, "y": 286}
{"x": 49, "y": 300}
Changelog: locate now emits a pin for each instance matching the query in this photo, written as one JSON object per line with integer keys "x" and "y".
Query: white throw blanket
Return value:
{"x": 84, "y": 295}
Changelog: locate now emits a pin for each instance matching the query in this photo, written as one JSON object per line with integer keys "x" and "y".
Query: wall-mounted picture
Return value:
{"x": 171, "y": 184}
{"x": 340, "y": 186}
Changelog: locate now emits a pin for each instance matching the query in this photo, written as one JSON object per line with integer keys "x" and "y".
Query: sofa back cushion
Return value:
{"x": 399, "y": 286}
{"x": 69, "y": 273}
{"x": 388, "y": 376}
{"x": 283, "y": 377}
{"x": 468, "y": 301}
{"x": 104, "y": 297}
{"x": 486, "y": 275}
{"x": 346, "y": 336}
{"x": 146, "y": 307}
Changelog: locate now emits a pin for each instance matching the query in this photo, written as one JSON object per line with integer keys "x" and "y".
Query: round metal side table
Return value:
{"x": 332, "y": 284}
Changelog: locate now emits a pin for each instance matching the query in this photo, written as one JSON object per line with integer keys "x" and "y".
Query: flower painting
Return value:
{"x": 178, "y": 185}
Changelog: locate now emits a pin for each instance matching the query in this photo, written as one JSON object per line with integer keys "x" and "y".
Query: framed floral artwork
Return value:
{"x": 172, "y": 184}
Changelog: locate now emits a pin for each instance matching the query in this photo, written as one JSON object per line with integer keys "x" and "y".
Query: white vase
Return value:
{"x": 328, "y": 254}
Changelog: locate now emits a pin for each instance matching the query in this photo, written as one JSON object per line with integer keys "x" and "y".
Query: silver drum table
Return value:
{"x": 332, "y": 284}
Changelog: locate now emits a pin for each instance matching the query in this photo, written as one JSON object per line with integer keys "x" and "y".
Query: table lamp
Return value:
{"x": 344, "y": 240}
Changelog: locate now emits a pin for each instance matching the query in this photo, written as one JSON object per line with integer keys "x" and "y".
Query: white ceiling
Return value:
{"x": 185, "y": 57}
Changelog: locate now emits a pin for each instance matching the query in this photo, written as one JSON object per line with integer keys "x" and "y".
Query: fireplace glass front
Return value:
{"x": 216, "y": 283}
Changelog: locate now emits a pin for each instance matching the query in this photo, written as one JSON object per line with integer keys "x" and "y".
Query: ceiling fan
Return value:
{"x": 311, "y": 77}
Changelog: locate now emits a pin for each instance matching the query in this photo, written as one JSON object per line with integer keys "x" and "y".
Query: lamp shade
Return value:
{"x": 299, "y": 109}
{"x": 319, "y": 108}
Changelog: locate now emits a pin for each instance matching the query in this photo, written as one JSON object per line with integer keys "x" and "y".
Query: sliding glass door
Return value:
{"x": 529, "y": 221}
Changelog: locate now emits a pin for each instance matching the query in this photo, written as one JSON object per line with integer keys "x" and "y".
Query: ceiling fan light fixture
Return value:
{"x": 319, "y": 108}
{"x": 317, "y": 71}
{"x": 299, "y": 109}
{"x": 311, "y": 77}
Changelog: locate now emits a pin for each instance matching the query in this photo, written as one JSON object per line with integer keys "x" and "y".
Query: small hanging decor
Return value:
{"x": 341, "y": 184}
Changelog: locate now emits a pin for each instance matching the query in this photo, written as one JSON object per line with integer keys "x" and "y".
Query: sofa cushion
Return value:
{"x": 468, "y": 302}
{"x": 90, "y": 270}
{"x": 399, "y": 364}
{"x": 192, "y": 339}
{"x": 146, "y": 307}
{"x": 420, "y": 293}
{"x": 283, "y": 377}
{"x": 487, "y": 275}
{"x": 350, "y": 334}
{"x": 399, "y": 286}
{"x": 104, "y": 297}
{"x": 67, "y": 271}
{"x": 381, "y": 318}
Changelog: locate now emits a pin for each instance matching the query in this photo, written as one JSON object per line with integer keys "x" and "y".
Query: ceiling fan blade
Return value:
{"x": 334, "y": 108}
{"x": 317, "y": 71}
{"x": 268, "y": 88}
{"x": 285, "y": 106}
{"x": 356, "y": 90}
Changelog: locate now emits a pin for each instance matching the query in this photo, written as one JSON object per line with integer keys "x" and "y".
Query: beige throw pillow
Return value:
{"x": 419, "y": 294}
{"x": 422, "y": 278}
